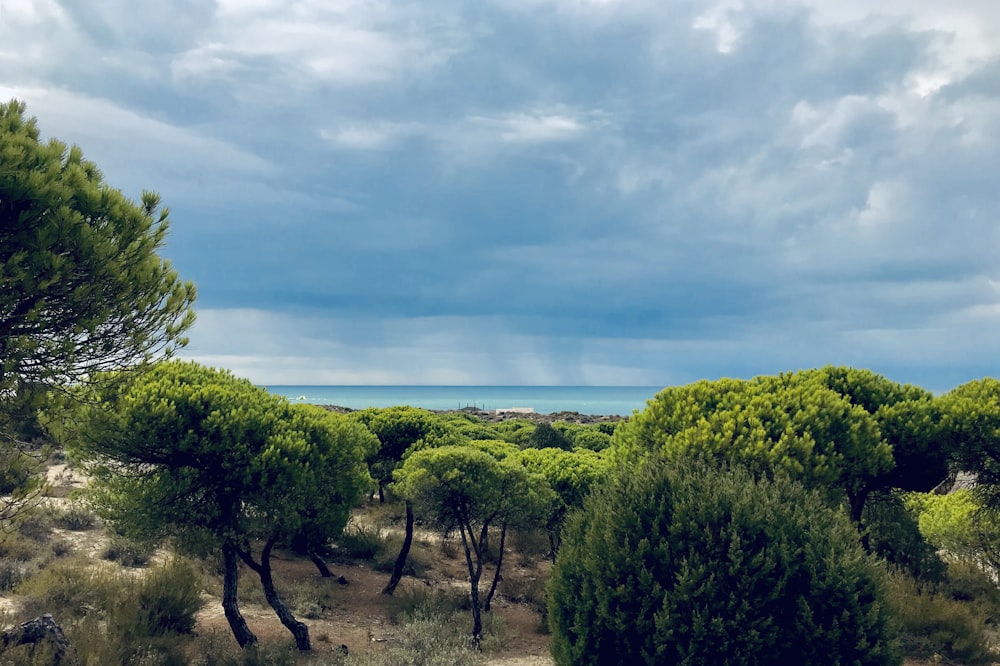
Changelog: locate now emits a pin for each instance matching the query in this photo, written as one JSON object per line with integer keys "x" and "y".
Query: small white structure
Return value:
{"x": 516, "y": 410}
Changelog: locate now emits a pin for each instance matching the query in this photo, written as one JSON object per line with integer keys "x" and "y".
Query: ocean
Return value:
{"x": 621, "y": 400}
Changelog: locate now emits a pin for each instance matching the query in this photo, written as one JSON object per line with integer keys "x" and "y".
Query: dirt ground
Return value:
{"x": 359, "y": 614}
{"x": 355, "y": 614}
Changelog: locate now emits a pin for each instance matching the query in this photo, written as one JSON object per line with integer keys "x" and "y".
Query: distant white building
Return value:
{"x": 516, "y": 410}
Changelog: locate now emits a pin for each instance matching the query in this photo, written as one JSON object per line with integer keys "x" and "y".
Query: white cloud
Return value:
{"x": 306, "y": 44}
{"x": 535, "y": 128}
{"x": 719, "y": 21}
{"x": 424, "y": 350}
{"x": 370, "y": 136}
{"x": 130, "y": 146}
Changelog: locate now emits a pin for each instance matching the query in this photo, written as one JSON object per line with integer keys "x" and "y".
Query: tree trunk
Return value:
{"x": 475, "y": 571}
{"x": 230, "y": 607}
{"x": 404, "y": 552}
{"x": 857, "y": 502}
{"x": 299, "y": 630}
{"x": 381, "y": 493}
{"x": 553, "y": 546}
{"x": 554, "y": 527}
{"x": 324, "y": 570}
{"x": 496, "y": 574}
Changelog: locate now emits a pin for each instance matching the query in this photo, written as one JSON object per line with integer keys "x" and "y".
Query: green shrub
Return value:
{"x": 36, "y": 525}
{"x": 966, "y": 581}
{"x": 308, "y": 599}
{"x": 531, "y": 544}
{"x": 427, "y": 639}
{"x": 524, "y": 588}
{"x": 360, "y": 542}
{"x": 933, "y": 623}
{"x": 75, "y": 517}
{"x": 95, "y": 641}
{"x": 128, "y": 552}
{"x": 67, "y": 589}
{"x": 547, "y": 437}
{"x": 250, "y": 592}
{"x": 219, "y": 649}
{"x": 450, "y": 546}
{"x": 692, "y": 565}
{"x": 168, "y": 598}
{"x": 410, "y": 602}
{"x": 15, "y": 546}
{"x": 592, "y": 439}
{"x": 894, "y": 536}
{"x": 164, "y": 600}
{"x": 14, "y": 573}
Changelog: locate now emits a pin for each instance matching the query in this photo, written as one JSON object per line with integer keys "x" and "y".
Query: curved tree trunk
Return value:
{"x": 299, "y": 630}
{"x": 496, "y": 574}
{"x": 320, "y": 563}
{"x": 475, "y": 572}
{"x": 404, "y": 552}
{"x": 230, "y": 607}
{"x": 857, "y": 500}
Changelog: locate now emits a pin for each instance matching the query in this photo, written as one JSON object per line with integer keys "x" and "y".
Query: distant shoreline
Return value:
{"x": 493, "y": 416}
{"x": 484, "y": 400}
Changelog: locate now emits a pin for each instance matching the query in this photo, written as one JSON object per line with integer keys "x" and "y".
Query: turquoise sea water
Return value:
{"x": 543, "y": 399}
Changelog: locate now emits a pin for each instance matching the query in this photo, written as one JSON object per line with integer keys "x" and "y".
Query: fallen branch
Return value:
{"x": 34, "y": 632}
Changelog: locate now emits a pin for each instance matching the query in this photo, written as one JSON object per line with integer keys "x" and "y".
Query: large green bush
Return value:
{"x": 685, "y": 564}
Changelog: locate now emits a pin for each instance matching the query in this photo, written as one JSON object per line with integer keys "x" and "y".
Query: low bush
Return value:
{"x": 410, "y": 602}
{"x": 933, "y": 623}
{"x": 526, "y": 588}
{"x": 360, "y": 542}
{"x": 17, "y": 547}
{"x": 531, "y": 545}
{"x": 219, "y": 649}
{"x": 426, "y": 639}
{"x": 67, "y": 589}
{"x": 966, "y": 581}
{"x": 894, "y": 535}
{"x": 127, "y": 552}
{"x": 689, "y": 564}
{"x": 76, "y": 517}
{"x": 36, "y": 525}
{"x": 450, "y": 546}
{"x": 167, "y": 599}
{"x": 308, "y": 599}
{"x": 13, "y": 573}
{"x": 162, "y": 601}
{"x": 95, "y": 641}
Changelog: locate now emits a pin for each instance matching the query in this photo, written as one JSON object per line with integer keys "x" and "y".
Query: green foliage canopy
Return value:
{"x": 972, "y": 415}
{"x": 684, "y": 563}
{"x": 82, "y": 288}
{"x": 840, "y": 429}
{"x": 787, "y": 423}
{"x": 469, "y": 489}
{"x": 214, "y": 461}
{"x": 397, "y": 429}
{"x": 957, "y": 524}
{"x": 571, "y": 475}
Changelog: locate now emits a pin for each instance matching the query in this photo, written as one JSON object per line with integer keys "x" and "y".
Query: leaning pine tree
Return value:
{"x": 688, "y": 564}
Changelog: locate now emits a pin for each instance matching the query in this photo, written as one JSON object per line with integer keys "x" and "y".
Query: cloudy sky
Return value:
{"x": 600, "y": 192}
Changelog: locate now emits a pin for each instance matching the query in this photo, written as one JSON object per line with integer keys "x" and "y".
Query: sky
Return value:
{"x": 549, "y": 192}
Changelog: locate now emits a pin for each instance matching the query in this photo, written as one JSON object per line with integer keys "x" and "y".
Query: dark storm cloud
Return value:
{"x": 548, "y": 192}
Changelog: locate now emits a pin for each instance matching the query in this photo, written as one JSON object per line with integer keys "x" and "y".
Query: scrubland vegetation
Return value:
{"x": 817, "y": 517}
